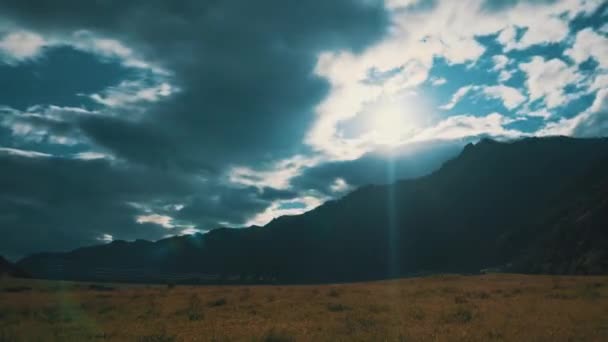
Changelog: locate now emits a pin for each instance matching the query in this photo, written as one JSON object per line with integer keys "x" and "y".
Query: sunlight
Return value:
{"x": 392, "y": 121}
{"x": 389, "y": 125}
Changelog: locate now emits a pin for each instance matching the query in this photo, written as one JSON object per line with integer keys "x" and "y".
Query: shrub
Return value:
{"x": 195, "y": 308}
{"x": 7, "y": 336}
{"x": 218, "y": 302}
{"x": 160, "y": 337}
{"x": 376, "y": 308}
{"x": 460, "y": 314}
{"x": 274, "y": 335}
{"x": 417, "y": 313}
{"x": 97, "y": 287}
{"x": 17, "y": 289}
{"x": 337, "y": 307}
{"x": 460, "y": 300}
{"x": 333, "y": 292}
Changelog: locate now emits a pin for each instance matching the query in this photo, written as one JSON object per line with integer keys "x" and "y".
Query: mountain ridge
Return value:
{"x": 376, "y": 231}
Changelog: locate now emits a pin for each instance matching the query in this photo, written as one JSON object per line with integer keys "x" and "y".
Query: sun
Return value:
{"x": 392, "y": 120}
{"x": 389, "y": 125}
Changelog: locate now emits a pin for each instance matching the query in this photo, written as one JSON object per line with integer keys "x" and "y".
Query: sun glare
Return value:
{"x": 391, "y": 122}
{"x": 388, "y": 125}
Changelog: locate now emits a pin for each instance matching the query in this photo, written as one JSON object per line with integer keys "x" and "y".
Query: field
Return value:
{"x": 437, "y": 308}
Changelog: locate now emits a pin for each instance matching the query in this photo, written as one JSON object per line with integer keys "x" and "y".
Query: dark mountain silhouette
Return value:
{"x": 533, "y": 205}
{"x": 7, "y": 268}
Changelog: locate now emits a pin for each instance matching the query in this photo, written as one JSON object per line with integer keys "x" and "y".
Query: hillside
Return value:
{"x": 7, "y": 268}
{"x": 512, "y": 205}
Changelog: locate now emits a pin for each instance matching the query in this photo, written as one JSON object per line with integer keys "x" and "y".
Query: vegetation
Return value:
{"x": 443, "y": 308}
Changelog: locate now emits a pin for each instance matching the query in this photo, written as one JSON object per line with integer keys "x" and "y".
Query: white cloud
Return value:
{"x": 552, "y": 30}
{"x": 91, "y": 155}
{"x": 284, "y": 208}
{"x": 107, "y": 238}
{"x": 23, "y": 153}
{"x": 108, "y": 48}
{"x": 593, "y": 122}
{"x": 510, "y": 96}
{"x": 500, "y": 62}
{"x": 277, "y": 176}
{"x": 132, "y": 92}
{"x": 448, "y": 30}
{"x": 50, "y": 124}
{"x": 19, "y": 46}
{"x": 437, "y": 81}
{"x": 463, "y": 126}
{"x": 505, "y": 75}
{"x": 547, "y": 80}
{"x": 589, "y": 44}
{"x": 189, "y": 231}
{"x": 340, "y": 186}
{"x": 457, "y": 96}
{"x": 541, "y": 113}
{"x": 600, "y": 81}
{"x": 161, "y": 220}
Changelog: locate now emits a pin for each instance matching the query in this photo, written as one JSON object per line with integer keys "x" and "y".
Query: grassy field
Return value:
{"x": 438, "y": 308}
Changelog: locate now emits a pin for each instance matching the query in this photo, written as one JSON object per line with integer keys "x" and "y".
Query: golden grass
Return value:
{"x": 438, "y": 308}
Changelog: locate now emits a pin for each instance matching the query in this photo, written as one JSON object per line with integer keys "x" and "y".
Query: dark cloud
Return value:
{"x": 380, "y": 168}
{"x": 245, "y": 68}
{"x": 247, "y": 90}
{"x": 57, "y": 77}
{"x": 52, "y": 203}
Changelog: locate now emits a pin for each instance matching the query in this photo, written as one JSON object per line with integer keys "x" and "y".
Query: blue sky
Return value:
{"x": 145, "y": 120}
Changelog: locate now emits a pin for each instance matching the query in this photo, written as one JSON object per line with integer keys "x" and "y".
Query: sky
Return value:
{"x": 146, "y": 119}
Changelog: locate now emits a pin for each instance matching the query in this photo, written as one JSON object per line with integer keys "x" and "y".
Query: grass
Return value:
{"x": 439, "y": 308}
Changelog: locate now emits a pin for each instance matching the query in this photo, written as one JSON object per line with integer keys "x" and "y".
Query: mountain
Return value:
{"x": 531, "y": 205}
{"x": 9, "y": 269}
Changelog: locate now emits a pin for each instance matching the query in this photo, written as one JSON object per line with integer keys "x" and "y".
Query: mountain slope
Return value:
{"x": 490, "y": 206}
{"x": 9, "y": 269}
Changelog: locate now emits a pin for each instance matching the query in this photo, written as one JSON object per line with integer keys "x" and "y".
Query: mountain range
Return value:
{"x": 7, "y": 268}
{"x": 535, "y": 205}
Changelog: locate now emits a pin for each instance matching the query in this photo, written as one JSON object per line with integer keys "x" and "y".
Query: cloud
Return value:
{"x": 231, "y": 108}
{"x": 174, "y": 118}
{"x": 107, "y": 238}
{"x": 505, "y": 75}
{"x": 592, "y": 122}
{"x": 547, "y": 80}
{"x": 500, "y": 62}
{"x": 457, "y": 96}
{"x": 277, "y": 176}
{"x": 91, "y": 155}
{"x": 340, "y": 186}
{"x": 552, "y": 30}
{"x": 589, "y": 44}
{"x": 44, "y": 124}
{"x": 23, "y": 153}
{"x": 463, "y": 126}
{"x": 62, "y": 203}
{"x": 437, "y": 81}
{"x": 19, "y": 46}
{"x": 131, "y": 92}
{"x": 541, "y": 113}
{"x": 510, "y": 96}
{"x": 419, "y": 35}
{"x": 286, "y": 208}
{"x": 161, "y": 220}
